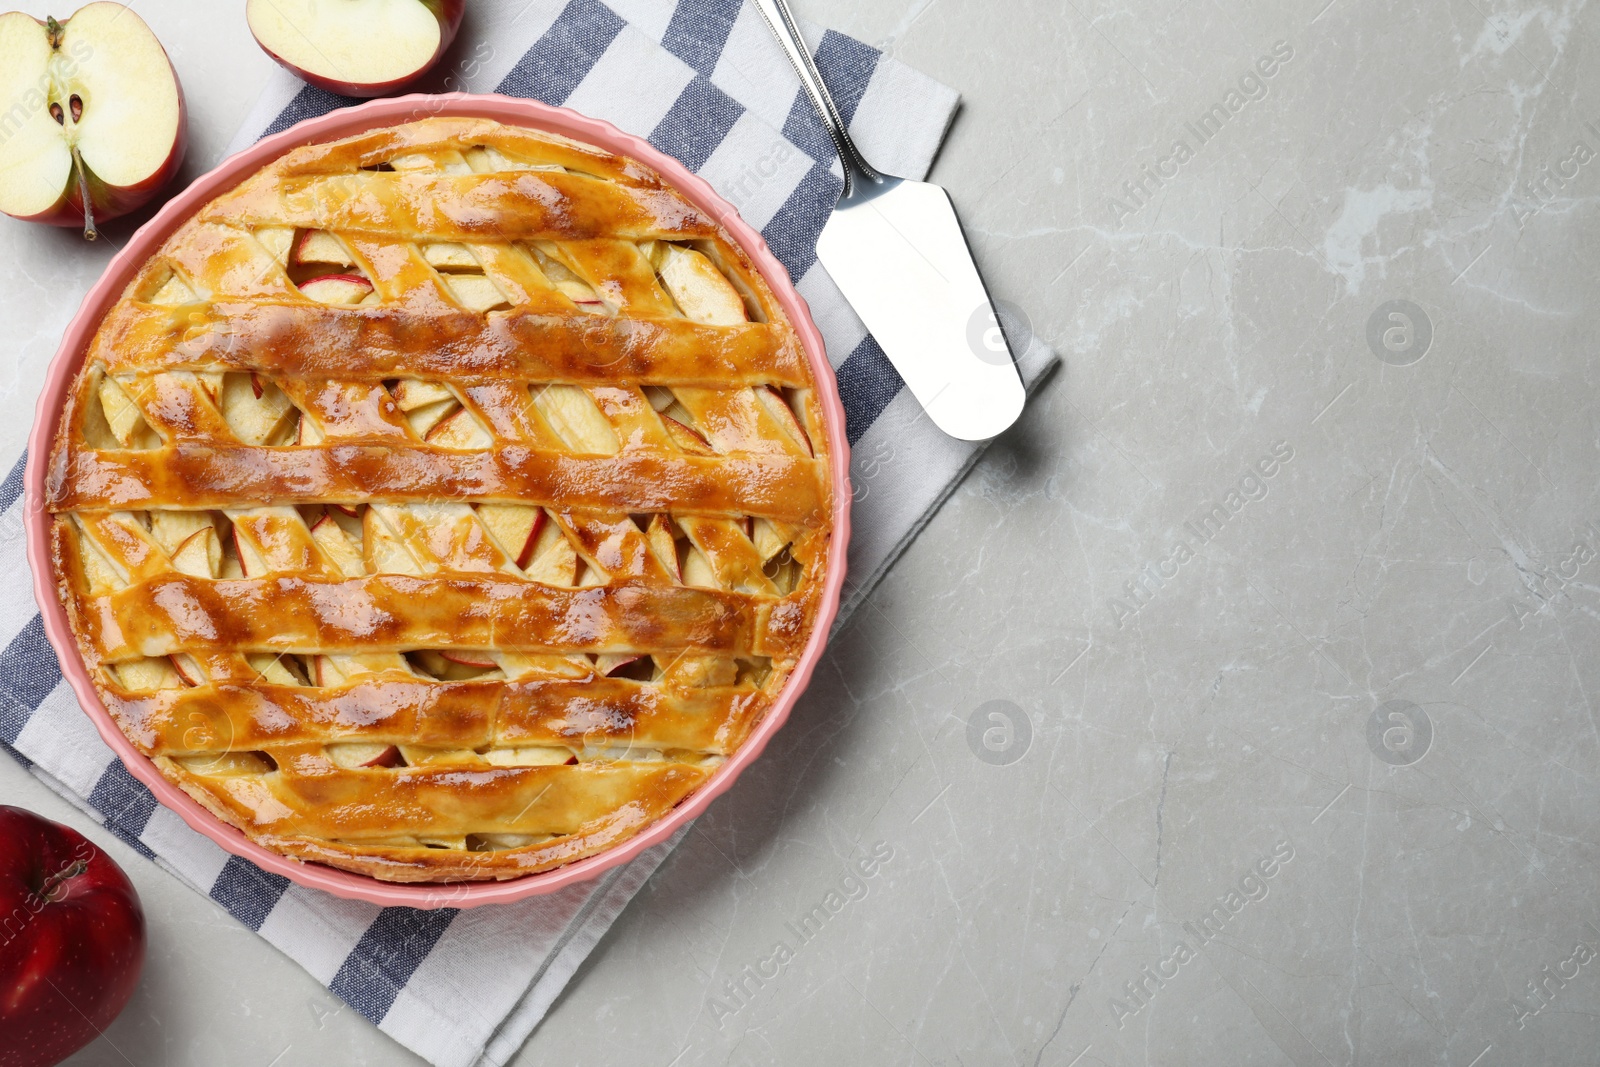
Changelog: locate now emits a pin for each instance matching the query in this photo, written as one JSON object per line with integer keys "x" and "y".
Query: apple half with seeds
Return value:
{"x": 93, "y": 121}
{"x": 355, "y": 47}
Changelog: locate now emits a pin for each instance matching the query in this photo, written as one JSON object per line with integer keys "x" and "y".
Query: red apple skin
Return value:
{"x": 448, "y": 12}
{"x": 113, "y": 202}
{"x": 389, "y": 757}
{"x": 69, "y": 963}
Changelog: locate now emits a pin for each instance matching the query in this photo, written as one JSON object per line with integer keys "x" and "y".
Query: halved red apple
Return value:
{"x": 355, "y": 47}
{"x": 336, "y": 288}
{"x": 96, "y": 124}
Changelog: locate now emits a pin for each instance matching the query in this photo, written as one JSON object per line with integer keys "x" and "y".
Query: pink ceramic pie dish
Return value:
{"x": 344, "y": 123}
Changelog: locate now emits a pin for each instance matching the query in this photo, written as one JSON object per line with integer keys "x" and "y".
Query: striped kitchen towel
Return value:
{"x": 704, "y": 81}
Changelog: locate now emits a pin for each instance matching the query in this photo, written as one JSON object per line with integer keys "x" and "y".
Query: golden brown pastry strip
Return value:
{"x": 447, "y": 715}
{"x": 525, "y": 206}
{"x": 394, "y": 864}
{"x": 523, "y": 146}
{"x": 392, "y": 612}
{"x": 782, "y": 488}
{"x": 368, "y": 803}
{"x": 373, "y": 343}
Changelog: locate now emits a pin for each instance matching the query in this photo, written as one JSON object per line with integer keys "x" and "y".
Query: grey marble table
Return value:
{"x": 1241, "y": 706}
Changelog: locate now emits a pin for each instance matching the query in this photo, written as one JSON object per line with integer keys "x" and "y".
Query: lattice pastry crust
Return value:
{"x": 444, "y": 503}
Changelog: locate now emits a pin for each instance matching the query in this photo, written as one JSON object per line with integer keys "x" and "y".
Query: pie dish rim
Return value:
{"x": 348, "y": 122}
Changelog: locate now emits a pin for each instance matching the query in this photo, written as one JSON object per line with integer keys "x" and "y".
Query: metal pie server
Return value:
{"x": 897, "y": 252}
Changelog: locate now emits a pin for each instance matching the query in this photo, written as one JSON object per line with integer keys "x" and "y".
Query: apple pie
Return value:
{"x": 444, "y": 503}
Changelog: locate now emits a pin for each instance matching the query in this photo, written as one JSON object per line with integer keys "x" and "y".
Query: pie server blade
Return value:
{"x": 897, "y": 252}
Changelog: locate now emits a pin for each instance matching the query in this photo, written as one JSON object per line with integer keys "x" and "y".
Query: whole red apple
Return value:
{"x": 94, "y": 122}
{"x": 71, "y": 940}
{"x": 355, "y": 47}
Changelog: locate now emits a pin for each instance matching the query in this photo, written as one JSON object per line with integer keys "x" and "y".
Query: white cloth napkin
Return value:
{"x": 704, "y": 81}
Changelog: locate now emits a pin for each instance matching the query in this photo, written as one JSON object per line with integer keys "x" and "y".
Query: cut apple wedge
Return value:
{"x": 188, "y": 669}
{"x": 515, "y": 527}
{"x": 697, "y": 571}
{"x": 467, "y": 657}
{"x": 664, "y": 544}
{"x": 386, "y": 553}
{"x": 528, "y": 756}
{"x": 475, "y": 292}
{"x": 337, "y": 548}
{"x": 561, "y": 276}
{"x": 257, "y": 411}
{"x": 687, "y": 438}
{"x": 449, "y": 254}
{"x": 146, "y": 675}
{"x": 200, "y": 555}
{"x": 278, "y": 670}
{"x": 770, "y": 538}
{"x": 459, "y": 430}
{"x": 411, "y": 394}
{"x": 422, "y": 420}
{"x": 355, "y": 47}
{"x": 576, "y": 419}
{"x": 446, "y": 669}
{"x": 172, "y": 528}
{"x": 555, "y": 561}
{"x": 352, "y": 755}
{"x": 784, "y": 416}
{"x": 174, "y": 292}
{"x": 211, "y": 383}
{"x": 308, "y": 432}
{"x": 251, "y": 561}
{"x": 325, "y": 673}
{"x": 96, "y": 122}
{"x": 701, "y": 291}
{"x": 337, "y": 288}
{"x": 320, "y": 246}
{"x": 123, "y": 416}
{"x": 608, "y": 663}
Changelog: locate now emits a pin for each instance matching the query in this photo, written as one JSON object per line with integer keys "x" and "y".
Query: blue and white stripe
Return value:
{"x": 704, "y": 82}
